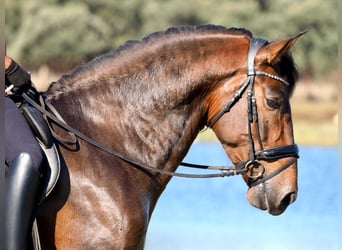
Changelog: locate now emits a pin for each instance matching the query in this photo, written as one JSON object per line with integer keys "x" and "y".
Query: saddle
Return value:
{"x": 42, "y": 132}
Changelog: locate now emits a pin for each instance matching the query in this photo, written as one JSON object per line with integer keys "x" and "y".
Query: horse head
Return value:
{"x": 262, "y": 141}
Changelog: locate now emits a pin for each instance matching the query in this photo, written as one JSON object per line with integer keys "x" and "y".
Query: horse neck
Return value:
{"x": 154, "y": 114}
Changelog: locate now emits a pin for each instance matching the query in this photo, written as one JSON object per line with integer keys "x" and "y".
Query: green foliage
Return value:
{"x": 63, "y": 33}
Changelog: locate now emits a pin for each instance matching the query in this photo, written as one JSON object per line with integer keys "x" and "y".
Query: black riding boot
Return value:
{"x": 21, "y": 189}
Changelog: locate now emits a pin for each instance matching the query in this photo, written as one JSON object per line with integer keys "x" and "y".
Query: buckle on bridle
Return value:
{"x": 255, "y": 170}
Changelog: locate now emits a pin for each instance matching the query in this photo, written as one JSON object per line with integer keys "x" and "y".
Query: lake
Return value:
{"x": 205, "y": 214}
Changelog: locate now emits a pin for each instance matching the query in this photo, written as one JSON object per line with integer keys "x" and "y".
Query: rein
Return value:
{"x": 244, "y": 167}
{"x": 55, "y": 117}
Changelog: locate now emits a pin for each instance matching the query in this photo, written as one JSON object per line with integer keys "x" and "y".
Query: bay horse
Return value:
{"x": 148, "y": 100}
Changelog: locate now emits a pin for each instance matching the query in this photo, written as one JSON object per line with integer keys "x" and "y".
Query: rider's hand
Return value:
{"x": 18, "y": 77}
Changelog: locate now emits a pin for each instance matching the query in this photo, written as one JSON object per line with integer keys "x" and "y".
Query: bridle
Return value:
{"x": 253, "y": 164}
{"x": 244, "y": 167}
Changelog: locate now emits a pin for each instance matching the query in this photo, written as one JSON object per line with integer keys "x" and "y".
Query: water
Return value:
{"x": 214, "y": 214}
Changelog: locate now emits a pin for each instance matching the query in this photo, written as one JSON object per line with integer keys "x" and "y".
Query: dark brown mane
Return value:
{"x": 104, "y": 65}
{"x": 176, "y": 32}
{"x": 125, "y": 51}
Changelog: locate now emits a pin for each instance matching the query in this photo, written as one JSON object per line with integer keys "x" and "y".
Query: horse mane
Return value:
{"x": 124, "y": 52}
{"x": 112, "y": 60}
{"x": 178, "y": 32}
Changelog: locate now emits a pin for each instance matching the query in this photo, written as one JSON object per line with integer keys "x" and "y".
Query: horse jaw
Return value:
{"x": 272, "y": 197}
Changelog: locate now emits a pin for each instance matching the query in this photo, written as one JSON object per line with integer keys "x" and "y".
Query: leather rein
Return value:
{"x": 244, "y": 167}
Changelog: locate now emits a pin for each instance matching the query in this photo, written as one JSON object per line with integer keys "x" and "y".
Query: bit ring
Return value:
{"x": 255, "y": 169}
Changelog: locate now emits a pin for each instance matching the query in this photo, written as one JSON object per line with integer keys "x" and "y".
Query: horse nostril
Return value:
{"x": 288, "y": 199}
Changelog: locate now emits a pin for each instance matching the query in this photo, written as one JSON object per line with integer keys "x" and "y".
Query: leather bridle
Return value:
{"x": 252, "y": 168}
{"x": 255, "y": 170}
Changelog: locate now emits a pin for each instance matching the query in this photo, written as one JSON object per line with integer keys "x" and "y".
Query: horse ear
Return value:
{"x": 273, "y": 51}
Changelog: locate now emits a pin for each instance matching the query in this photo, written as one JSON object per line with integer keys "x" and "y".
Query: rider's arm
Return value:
{"x": 16, "y": 76}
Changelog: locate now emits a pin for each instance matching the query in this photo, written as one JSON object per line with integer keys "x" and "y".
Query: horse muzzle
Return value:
{"x": 275, "y": 194}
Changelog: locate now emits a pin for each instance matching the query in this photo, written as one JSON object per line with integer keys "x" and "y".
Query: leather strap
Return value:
{"x": 255, "y": 44}
{"x": 271, "y": 175}
{"x": 225, "y": 171}
{"x": 278, "y": 152}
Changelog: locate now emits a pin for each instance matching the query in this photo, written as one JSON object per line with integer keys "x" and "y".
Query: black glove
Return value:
{"x": 18, "y": 77}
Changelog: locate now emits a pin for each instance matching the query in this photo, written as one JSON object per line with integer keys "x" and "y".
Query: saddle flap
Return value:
{"x": 38, "y": 124}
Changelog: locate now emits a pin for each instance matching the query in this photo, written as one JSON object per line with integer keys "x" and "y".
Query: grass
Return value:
{"x": 315, "y": 122}
{"x": 305, "y": 133}
{"x": 323, "y": 133}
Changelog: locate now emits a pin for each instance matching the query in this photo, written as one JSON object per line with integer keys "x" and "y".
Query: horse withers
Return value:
{"x": 146, "y": 102}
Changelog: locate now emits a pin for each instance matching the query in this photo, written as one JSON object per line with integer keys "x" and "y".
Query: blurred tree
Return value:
{"x": 63, "y": 33}
{"x": 263, "y": 5}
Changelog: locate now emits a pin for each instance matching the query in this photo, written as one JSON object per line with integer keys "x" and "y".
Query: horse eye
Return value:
{"x": 273, "y": 103}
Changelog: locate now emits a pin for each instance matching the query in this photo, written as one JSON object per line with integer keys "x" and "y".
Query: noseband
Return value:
{"x": 254, "y": 169}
